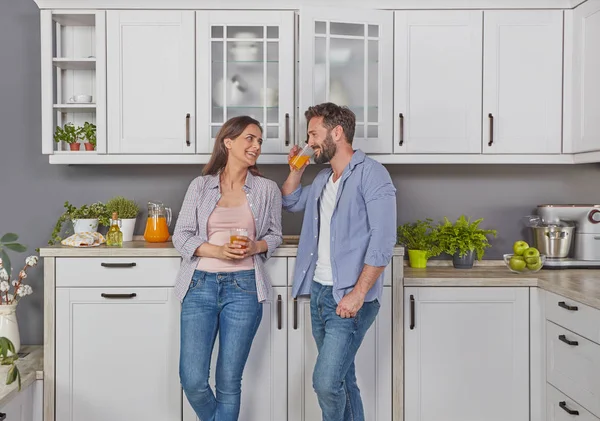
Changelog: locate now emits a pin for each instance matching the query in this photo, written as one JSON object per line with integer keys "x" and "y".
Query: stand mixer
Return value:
{"x": 569, "y": 235}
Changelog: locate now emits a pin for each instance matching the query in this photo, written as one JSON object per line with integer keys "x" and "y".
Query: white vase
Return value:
{"x": 127, "y": 227}
{"x": 85, "y": 225}
{"x": 9, "y": 328}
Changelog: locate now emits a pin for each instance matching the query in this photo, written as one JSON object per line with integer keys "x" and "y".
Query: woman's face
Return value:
{"x": 246, "y": 147}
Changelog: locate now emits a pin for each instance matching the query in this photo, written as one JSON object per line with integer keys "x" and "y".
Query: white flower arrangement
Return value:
{"x": 20, "y": 289}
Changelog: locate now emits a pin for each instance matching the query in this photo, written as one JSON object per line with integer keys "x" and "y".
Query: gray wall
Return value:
{"x": 32, "y": 191}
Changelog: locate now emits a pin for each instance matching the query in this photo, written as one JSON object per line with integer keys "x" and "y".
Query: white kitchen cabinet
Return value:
{"x": 151, "y": 100}
{"x": 466, "y": 353}
{"x": 522, "y": 81}
{"x": 561, "y": 408}
{"x": 264, "y": 383}
{"x": 582, "y": 86}
{"x": 346, "y": 58}
{"x": 373, "y": 363}
{"x": 25, "y": 406}
{"x": 117, "y": 354}
{"x": 437, "y": 81}
{"x": 245, "y": 66}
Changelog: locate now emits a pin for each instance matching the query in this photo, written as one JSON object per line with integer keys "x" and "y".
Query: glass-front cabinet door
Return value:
{"x": 245, "y": 66}
{"x": 346, "y": 58}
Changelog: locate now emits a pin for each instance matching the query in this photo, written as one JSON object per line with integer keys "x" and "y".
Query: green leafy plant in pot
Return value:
{"x": 84, "y": 218}
{"x": 463, "y": 240}
{"x": 127, "y": 210}
{"x": 69, "y": 134}
{"x": 420, "y": 239}
{"x": 88, "y": 132}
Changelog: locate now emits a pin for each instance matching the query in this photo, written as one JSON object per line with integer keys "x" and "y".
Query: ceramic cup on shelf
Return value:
{"x": 81, "y": 98}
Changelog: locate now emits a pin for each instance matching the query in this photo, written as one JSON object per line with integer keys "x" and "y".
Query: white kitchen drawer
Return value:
{"x": 562, "y": 408}
{"x": 116, "y": 271}
{"x": 277, "y": 269}
{"x": 573, "y": 368}
{"x": 580, "y": 318}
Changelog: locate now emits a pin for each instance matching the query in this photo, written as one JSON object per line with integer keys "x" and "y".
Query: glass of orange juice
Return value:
{"x": 301, "y": 157}
{"x": 237, "y": 234}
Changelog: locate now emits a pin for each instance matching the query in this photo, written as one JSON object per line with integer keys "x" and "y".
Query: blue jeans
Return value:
{"x": 338, "y": 340}
{"x": 225, "y": 303}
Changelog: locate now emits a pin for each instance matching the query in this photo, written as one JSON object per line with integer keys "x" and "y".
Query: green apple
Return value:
{"x": 519, "y": 247}
{"x": 517, "y": 263}
{"x": 531, "y": 255}
{"x": 535, "y": 264}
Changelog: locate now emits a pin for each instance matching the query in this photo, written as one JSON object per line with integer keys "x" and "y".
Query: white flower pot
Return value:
{"x": 9, "y": 328}
{"x": 85, "y": 225}
{"x": 127, "y": 227}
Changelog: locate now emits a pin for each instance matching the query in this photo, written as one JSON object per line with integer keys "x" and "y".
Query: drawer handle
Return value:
{"x": 567, "y": 307}
{"x": 118, "y": 265}
{"x": 295, "y": 313}
{"x": 563, "y": 405}
{"x": 118, "y": 296}
{"x": 564, "y": 339}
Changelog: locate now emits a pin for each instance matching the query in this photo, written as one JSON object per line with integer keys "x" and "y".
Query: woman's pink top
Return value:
{"x": 219, "y": 224}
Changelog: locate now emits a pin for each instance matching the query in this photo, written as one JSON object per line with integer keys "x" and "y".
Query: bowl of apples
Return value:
{"x": 525, "y": 259}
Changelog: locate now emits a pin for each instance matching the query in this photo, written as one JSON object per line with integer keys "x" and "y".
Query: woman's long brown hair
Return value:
{"x": 232, "y": 129}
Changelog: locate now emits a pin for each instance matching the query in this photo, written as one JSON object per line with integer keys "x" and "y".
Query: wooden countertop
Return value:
{"x": 31, "y": 369}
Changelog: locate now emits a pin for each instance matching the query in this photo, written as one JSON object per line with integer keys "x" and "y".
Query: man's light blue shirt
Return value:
{"x": 363, "y": 226}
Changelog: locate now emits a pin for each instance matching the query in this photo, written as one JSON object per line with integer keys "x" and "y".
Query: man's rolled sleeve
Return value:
{"x": 380, "y": 198}
{"x": 296, "y": 201}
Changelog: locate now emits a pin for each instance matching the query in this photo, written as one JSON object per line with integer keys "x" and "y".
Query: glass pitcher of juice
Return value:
{"x": 157, "y": 225}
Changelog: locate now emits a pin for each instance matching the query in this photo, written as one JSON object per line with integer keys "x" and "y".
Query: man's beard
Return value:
{"x": 327, "y": 150}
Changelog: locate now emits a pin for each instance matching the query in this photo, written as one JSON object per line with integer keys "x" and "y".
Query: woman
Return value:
{"x": 221, "y": 284}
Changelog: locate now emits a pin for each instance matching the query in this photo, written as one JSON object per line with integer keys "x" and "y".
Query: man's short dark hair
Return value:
{"x": 334, "y": 115}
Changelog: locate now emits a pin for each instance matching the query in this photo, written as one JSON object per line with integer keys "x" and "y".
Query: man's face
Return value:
{"x": 320, "y": 139}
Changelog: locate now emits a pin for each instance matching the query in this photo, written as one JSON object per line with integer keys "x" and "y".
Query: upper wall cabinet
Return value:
{"x": 345, "y": 58}
{"x": 245, "y": 66}
{"x": 582, "y": 67}
{"x": 150, "y": 82}
{"x": 73, "y": 70}
{"x": 437, "y": 85}
{"x": 522, "y": 82}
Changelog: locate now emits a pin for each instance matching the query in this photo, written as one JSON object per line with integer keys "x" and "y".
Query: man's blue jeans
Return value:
{"x": 225, "y": 303}
{"x": 338, "y": 340}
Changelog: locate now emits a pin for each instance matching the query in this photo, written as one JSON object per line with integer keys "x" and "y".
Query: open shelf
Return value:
{"x": 75, "y": 108}
{"x": 75, "y": 20}
{"x": 75, "y": 64}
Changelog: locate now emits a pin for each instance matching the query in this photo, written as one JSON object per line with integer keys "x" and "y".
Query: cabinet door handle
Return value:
{"x": 564, "y": 339}
{"x": 295, "y": 313}
{"x": 287, "y": 129}
{"x": 279, "y": 312}
{"x": 567, "y": 307}
{"x": 563, "y": 405}
{"x": 491, "y": 117}
{"x": 412, "y": 312}
{"x": 118, "y": 296}
{"x": 187, "y": 129}
{"x": 401, "y": 118}
{"x": 2, "y": 416}
{"x": 118, "y": 265}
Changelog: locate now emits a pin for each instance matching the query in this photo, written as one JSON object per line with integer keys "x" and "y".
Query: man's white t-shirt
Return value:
{"x": 323, "y": 273}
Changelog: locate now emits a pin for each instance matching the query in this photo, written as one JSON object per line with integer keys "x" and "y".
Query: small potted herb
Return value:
{"x": 463, "y": 240}
{"x": 84, "y": 219}
{"x": 127, "y": 211}
{"x": 420, "y": 239}
{"x": 8, "y": 356}
{"x": 69, "y": 134}
{"x": 88, "y": 132}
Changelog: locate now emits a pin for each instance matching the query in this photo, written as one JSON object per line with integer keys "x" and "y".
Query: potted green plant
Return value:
{"x": 8, "y": 356}
{"x": 127, "y": 210}
{"x": 84, "y": 219}
{"x": 69, "y": 134}
{"x": 463, "y": 240}
{"x": 420, "y": 239}
{"x": 88, "y": 132}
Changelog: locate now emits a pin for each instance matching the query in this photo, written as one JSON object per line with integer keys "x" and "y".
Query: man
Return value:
{"x": 347, "y": 239}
